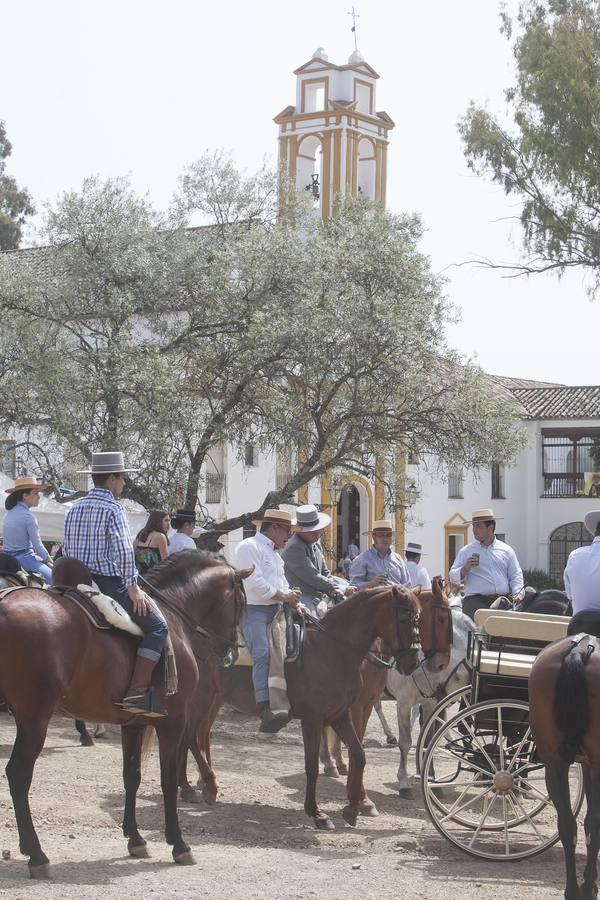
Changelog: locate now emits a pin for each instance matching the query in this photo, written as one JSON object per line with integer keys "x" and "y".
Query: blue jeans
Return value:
{"x": 152, "y": 624}
{"x": 254, "y": 623}
{"x": 30, "y": 563}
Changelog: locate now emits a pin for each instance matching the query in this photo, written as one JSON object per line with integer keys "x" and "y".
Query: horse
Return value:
{"x": 564, "y": 713}
{"x": 323, "y": 687}
{"x": 436, "y": 636}
{"x": 52, "y": 659}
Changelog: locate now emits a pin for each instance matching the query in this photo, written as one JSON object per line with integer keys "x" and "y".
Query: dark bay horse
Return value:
{"x": 53, "y": 660}
{"x": 324, "y": 686}
{"x": 564, "y": 699}
{"x": 435, "y": 633}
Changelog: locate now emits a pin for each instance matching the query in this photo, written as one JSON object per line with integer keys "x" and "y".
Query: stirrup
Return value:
{"x": 145, "y": 704}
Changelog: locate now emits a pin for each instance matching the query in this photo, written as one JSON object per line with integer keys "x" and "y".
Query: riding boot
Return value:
{"x": 140, "y": 698}
{"x": 269, "y": 722}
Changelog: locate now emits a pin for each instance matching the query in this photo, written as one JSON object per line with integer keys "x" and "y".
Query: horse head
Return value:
{"x": 401, "y": 634}
{"x": 435, "y": 626}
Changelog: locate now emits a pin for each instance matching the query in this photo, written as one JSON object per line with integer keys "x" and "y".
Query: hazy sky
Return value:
{"x": 140, "y": 87}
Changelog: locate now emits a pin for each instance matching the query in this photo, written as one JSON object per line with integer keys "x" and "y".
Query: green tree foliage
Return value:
{"x": 550, "y": 155}
{"x": 15, "y": 204}
{"x": 322, "y": 339}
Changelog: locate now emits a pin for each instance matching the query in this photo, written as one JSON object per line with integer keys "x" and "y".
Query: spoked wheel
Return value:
{"x": 437, "y": 719}
{"x": 484, "y": 787}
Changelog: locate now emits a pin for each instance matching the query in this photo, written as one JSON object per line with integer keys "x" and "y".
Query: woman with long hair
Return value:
{"x": 151, "y": 543}
{"x": 21, "y": 532}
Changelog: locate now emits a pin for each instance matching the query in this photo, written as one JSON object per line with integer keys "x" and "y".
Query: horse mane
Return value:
{"x": 359, "y": 598}
{"x": 176, "y": 571}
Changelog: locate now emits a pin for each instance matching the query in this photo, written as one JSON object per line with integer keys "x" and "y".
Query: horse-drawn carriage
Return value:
{"x": 483, "y": 784}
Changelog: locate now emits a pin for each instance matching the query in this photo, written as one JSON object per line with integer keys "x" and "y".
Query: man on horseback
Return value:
{"x": 303, "y": 558}
{"x": 488, "y": 567}
{"x": 582, "y": 581}
{"x": 380, "y": 564}
{"x": 418, "y": 573}
{"x": 97, "y": 534}
{"x": 266, "y": 589}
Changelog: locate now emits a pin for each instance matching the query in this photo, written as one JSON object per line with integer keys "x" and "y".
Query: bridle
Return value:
{"x": 231, "y": 647}
{"x": 437, "y": 606}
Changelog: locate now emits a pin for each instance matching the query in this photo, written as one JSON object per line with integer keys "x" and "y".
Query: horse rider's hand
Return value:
{"x": 351, "y": 589}
{"x": 378, "y": 581}
{"x": 140, "y": 600}
{"x": 292, "y": 598}
{"x": 336, "y": 594}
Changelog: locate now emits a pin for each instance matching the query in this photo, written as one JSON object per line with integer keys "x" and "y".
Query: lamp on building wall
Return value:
{"x": 314, "y": 187}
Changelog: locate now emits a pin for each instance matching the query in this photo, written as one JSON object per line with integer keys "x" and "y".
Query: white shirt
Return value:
{"x": 268, "y": 577}
{"x": 418, "y": 574}
{"x": 498, "y": 571}
{"x": 181, "y": 541}
{"x": 582, "y": 577}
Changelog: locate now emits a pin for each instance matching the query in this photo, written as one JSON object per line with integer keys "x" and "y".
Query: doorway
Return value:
{"x": 348, "y": 520}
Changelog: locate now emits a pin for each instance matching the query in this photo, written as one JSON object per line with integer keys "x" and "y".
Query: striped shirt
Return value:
{"x": 97, "y": 534}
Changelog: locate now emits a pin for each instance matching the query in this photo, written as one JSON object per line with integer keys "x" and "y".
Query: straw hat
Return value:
{"x": 381, "y": 525}
{"x": 275, "y": 517}
{"x": 308, "y": 518}
{"x": 107, "y": 463}
{"x": 411, "y": 547}
{"x": 483, "y": 515}
{"x": 26, "y": 483}
{"x": 591, "y": 520}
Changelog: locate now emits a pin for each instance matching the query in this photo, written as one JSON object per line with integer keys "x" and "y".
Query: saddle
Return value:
{"x": 11, "y": 571}
{"x": 294, "y": 639}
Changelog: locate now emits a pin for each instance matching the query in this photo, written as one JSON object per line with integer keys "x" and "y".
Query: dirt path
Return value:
{"x": 257, "y": 842}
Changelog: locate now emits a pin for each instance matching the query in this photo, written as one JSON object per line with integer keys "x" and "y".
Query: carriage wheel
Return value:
{"x": 484, "y": 787}
{"x": 438, "y": 718}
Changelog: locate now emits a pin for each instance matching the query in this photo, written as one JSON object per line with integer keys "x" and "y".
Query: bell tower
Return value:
{"x": 333, "y": 141}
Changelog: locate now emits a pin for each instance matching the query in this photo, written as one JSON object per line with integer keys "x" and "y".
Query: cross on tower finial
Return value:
{"x": 355, "y": 16}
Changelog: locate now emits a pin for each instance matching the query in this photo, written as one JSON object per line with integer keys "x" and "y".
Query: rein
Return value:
{"x": 232, "y": 646}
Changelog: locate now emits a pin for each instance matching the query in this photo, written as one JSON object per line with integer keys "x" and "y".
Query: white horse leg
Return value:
{"x": 391, "y": 739}
{"x": 329, "y": 766}
{"x": 403, "y": 711}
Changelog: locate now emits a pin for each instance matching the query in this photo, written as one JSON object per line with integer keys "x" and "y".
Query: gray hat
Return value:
{"x": 591, "y": 521}
{"x": 308, "y": 518}
{"x": 107, "y": 463}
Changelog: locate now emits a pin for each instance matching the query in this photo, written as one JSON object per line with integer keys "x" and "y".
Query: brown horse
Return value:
{"x": 435, "y": 633}
{"x": 324, "y": 686}
{"x": 53, "y": 660}
{"x": 564, "y": 703}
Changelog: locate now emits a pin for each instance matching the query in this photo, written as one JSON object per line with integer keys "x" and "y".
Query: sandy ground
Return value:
{"x": 256, "y": 842}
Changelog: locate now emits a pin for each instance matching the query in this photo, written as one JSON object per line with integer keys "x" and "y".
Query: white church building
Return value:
{"x": 333, "y": 141}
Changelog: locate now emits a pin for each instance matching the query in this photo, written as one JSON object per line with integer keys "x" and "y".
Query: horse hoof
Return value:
{"x": 324, "y": 823}
{"x": 343, "y": 769}
{"x": 86, "y": 741}
{"x": 41, "y": 873}
{"x": 140, "y": 851}
{"x": 185, "y": 859}
{"x": 405, "y": 793}
{"x": 369, "y": 810}
{"x": 331, "y": 772}
{"x": 189, "y": 795}
{"x": 209, "y": 795}
{"x": 349, "y": 816}
{"x": 392, "y": 741}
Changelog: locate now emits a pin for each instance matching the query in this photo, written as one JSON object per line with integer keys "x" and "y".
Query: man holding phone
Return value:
{"x": 379, "y": 565}
{"x": 489, "y": 568}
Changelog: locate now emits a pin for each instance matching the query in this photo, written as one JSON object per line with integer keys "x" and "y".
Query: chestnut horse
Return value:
{"x": 53, "y": 660}
{"x": 564, "y": 712}
{"x": 323, "y": 687}
{"x": 435, "y": 632}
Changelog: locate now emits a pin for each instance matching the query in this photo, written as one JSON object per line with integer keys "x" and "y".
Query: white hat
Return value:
{"x": 308, "y": 518}
{"x": 411, "y": 547}
{"x": 591, "y": 520}
{"x": 483, "y": 515}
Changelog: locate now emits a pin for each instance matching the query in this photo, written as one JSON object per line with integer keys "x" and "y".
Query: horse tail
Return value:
{"x": 148, "y": 741}
{"x": 571, "y": 704}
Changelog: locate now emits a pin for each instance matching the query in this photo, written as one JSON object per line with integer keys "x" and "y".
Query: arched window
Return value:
{"x": 562, "y": 541}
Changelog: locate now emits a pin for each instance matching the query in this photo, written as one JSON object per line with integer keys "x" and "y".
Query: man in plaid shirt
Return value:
{"x": 97, "y": 534}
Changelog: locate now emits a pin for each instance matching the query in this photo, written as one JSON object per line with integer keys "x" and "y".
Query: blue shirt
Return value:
{"x": 498, "y": 571}
{"x": 97, "y": 534}
{"x": 582, "y": 577}
{"x": 21, "y": 532}
{"x": 370, "y": 563}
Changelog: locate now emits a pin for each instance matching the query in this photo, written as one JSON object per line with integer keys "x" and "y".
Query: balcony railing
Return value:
{"x": 214, "y": 487}
{"x": 563, "y": 486}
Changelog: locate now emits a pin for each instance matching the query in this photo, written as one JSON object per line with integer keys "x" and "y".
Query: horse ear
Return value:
{"x": 240, "y": 574}
{"x": 416, "y": 589}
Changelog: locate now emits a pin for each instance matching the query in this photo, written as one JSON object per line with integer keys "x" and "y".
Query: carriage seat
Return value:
{"x": 522, "y": 626}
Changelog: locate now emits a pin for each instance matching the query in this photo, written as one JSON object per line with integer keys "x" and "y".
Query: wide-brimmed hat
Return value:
{"x": 483, "y": 515}
{"x": 182, "y": 516}
{"x": 107, "y": 463}
{"x": 411, "y": 547}
{"x": 26, "y": 483}
{"x": 591, "y": 520}
{"x": 308, "y": 518}
{"x": 381, "y": 525}
{"x": 275, "y": 517}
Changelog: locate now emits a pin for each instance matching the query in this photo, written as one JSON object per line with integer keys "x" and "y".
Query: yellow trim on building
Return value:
{"x": 456, "y": 525}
